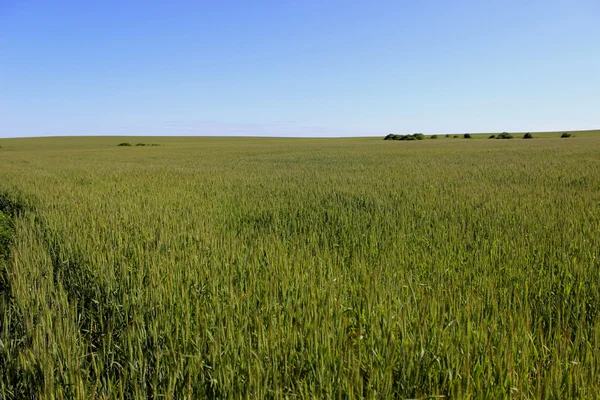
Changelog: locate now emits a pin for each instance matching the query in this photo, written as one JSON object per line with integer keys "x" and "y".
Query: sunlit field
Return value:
{"x": 300, "y": 268}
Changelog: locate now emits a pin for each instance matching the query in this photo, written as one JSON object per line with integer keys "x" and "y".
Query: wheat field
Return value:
{"x": 299, "y": 268}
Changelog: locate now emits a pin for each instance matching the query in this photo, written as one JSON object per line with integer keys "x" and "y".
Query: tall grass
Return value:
{"x": 259, "y": 268}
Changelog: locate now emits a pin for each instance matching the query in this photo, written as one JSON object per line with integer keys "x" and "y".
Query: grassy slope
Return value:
{"x": 269, "y": 267}
{"x": 99, "y": 142}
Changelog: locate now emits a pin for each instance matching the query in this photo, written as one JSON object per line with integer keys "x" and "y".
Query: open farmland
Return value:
{"x": 300, "y": 268}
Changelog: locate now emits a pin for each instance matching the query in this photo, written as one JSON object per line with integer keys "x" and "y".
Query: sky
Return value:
{"x": 297, "y": 68}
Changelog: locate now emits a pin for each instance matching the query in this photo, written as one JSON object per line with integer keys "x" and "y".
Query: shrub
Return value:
{"x": 433, "y": 137}
{"x": 124, "y": 144}
{"x": 492, "y": 137}
{"x": 467, "y": 136}
{"x": 447, "y": 135}
{"x": 565, "y": 135}
{"x": 455, "y": 136}
{"x": 504, "y": 135}
{"x": 528, "y": 135}
{"x": 140, "y": 144}
{"x": 415, "y": 136}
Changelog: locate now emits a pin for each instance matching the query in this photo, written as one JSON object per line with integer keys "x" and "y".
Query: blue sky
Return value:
{"x": 304, "y": 68}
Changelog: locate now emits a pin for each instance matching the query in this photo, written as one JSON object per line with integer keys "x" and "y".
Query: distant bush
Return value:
{"x": 565, "y": 135}
{"x": 124, "y": 144}
{"x": 492, "y": 137}
{"x": 455, "y": 137}
{"x": 528, "y": 135}
{"x": 504, "y": 135}
{"x": 447, "y": 135}
{"x": 433, "y": 137}
{"x": 140, "y": 144}
{"x": 467, "y": 136}
{"x": 414, "y": 136}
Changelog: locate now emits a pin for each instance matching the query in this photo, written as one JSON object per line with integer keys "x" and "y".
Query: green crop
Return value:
{"x": 300, "y": 268}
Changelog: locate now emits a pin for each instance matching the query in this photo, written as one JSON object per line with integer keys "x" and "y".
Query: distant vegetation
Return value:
{"x": 503, "y": 135}
{"x": 414, "y": 136}
{"x": 139, "y": 144}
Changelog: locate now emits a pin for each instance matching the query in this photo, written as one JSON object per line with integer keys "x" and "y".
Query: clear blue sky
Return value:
{"x": 297, "y": 68}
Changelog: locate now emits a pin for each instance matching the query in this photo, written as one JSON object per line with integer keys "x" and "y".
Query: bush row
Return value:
{"x": 414, "y": 136}
{"x": 139, "y": 144}
{"x": 420, "y": 136}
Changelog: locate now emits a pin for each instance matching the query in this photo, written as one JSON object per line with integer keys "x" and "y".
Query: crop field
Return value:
{"x": 300, "y": 268}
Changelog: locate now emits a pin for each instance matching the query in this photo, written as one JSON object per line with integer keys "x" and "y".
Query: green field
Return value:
{"x": 300, "y": 268}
